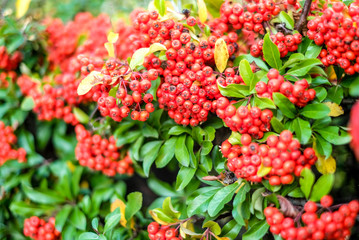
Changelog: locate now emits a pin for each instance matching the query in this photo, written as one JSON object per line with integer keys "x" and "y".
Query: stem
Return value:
{"x": 303, "y": 17}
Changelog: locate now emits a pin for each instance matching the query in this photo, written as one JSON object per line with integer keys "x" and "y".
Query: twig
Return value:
{"x": 303, "y": 17}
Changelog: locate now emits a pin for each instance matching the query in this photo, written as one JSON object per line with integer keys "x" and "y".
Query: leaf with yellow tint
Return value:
{"x": 139, "y": 56}
{"x": 263, "y": 171}
{"x": 326, "y": 166}
{"x": 21, "y": 7}
{"x": 157, "y": 219}
{"x": 335, "y": 109}
{"x": 93, "y": 79}
{"x": 70, "y": 165}
{"x": 112, "y": 37}
{"x": 110, "y": 49}
{"x": 221, "y": 54}
{"x": 187, "y": 228}
{"x": 119, "y": 203}
{"x": 332, "y": 76}
{"x": 156, "y": 47}
{"x": 222, "y": 238}
{"x": 202, "y": 11}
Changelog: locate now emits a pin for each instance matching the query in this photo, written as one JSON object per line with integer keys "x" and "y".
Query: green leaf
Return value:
{"x": 302, "y": 130}
{"x": 222, "y": 197}
{"x": 335, "y": 94}
{"x": 303, "y": 67}
{"x": 27, "y": 104}
{"x": 263, "y": 103}
{"x": 161, "y": 6}
{"x": 26, "y": 140}
{"x": 322, "y": 187}
{"x": 354, "y": 88}
{"x": 78, "y": 219}
{"x": 246, "y": 72}
{"x": 296, "y": 193}
{"x": 288, "y": 20}
{"x": 134, "y": 204}
{"x": 166, "y": 153}
{"x": 313, "y": 50}
{"x": 323, "y": 147}
{"x": 29, "y": 209}
{"x": 162, "y": 188}
{"x": 257, "y": 231}
{"x": 177, "y": 130}
{"x": 200, "y": 204}
{"x": 261, "y": 64}
{"x": 306, "y": 181}
{"x": 43, "y": 196}
{"x": 213, "y": 226}
{"x": 271, "y": 53}
{"x": 234, "y": 90}
{"x": 94, "y": 223}
{"x": 331, "y": 135}
{"x": 321, "y": 93}
{"x": 184, "y": 176}
{"x": 75, "y": 180}
{"x": 169, "y": 209}
{"x": 88, "y": 236}
{"x": 62, "y": 216}
{"x": 277, "y": 125}
{"x": 231, "y": 229}
{"x": 138, "y": 57}
{"x": 181, "y": 151}
{"x": 288, "y": 109}
{"x": 293, "y": 59}
{"x": 112, "y": 220}
{"x": 81, "y": 116}
{"x": 206, "y": 147}
{"x": 315, "y": 111}
{"x": 149, "y": 153}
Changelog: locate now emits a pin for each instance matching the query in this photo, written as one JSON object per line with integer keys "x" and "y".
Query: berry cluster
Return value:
{"x": 253, "y": 120}
{"x": 354, "y": 129}
{"x": 280, "y": 155}
{"x": 100, "y": 154}
{"x": 298, "y": 93}
{"x": 39, "y": 229}
{"x": 131, "y": 90}
{"x": 285, "y": 44}
{"x": 337, "y": 30}
{"x": 5, "y": 77}
{"x": 7, "y": 141}
{"x": 249, "y": 17}
{"x": 157, "y": 232}
{"x": 8, "y": 62}
{"x": 318, "y": 225}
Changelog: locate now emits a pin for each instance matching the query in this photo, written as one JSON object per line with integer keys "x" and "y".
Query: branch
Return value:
{"x": 303, "y": 17}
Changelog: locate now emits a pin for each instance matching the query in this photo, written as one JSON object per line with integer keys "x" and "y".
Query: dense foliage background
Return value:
{"x": 163, "y": 169}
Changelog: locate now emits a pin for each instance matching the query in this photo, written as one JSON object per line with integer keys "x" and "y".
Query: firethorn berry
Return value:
{"x": 326, "y": 201}
{"x": 7, "y": 142}
{"x": 340, "y": 29}
{"x": 157, "y": 232}
{"x": 100, "y": 154}
{"x": 298, "y": 93}
{"x": 38, "y": 229}
{"x": 9, "y": 62}
{"x": 329, "y": 225}
{"x": 281, "y": 154}
{"x": 253, "y": 121}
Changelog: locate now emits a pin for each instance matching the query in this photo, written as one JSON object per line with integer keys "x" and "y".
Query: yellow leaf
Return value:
{"x": 21, "y": 7}
{"x": 138, "y": 57}
{"x": 332, "y": 76}
{"x": 326, "y": 166}
{"x": 202, "y": 10}
{"x": 93, "y": 79}
{"x": 126, "y": 77}
{"x": 335, "y": 109}
{"x": 263, "y": 171}
{"x": 156, "y": 47}
{"x": 187, "y": 228}
{"x": 119, "y": 203}
{"x": 112, "y": 37}
{"x": 71, "y": 166}
{"x": 154, "y": 216}
{"x": 222, "y": 238}
{"x": 221, "y": 54}
{"x": 110, "y": 49}
{"x": 84, "y": 184}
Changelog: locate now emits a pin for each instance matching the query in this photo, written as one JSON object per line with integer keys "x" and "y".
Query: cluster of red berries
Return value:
{"x": 100, "y": 154}
{"x": 7, "y": 141}
{"x": 330, "y": 225}
{"x": 285, "y": 44}
{"x": 249, "y": 17}
{"x": 39, "y": 229}
{"x": 7, "y": 62}
{"x": 280, "y": 155}
{"x": 131, "y": 90}
{"x": 298, "y": 93}
{"x": 338, "y": 32}
{"x": 354, "y": 129}
{"x": 5, "y": 77}
{"x": 253, "y": 120}
{"x": 164, "y": 232}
